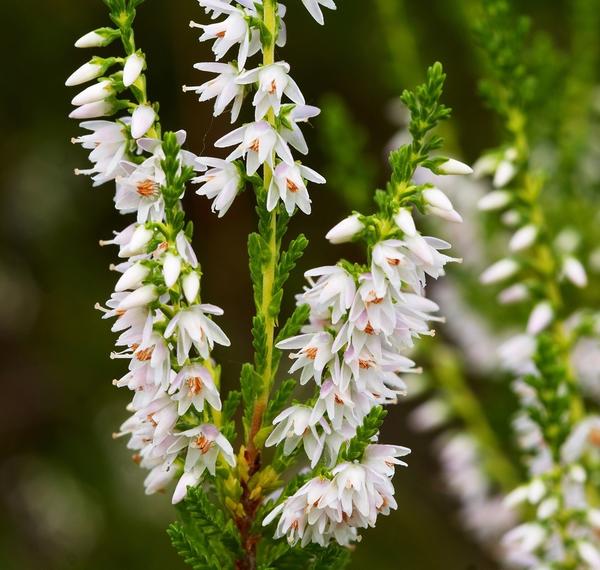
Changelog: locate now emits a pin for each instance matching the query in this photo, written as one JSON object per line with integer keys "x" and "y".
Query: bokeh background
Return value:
{"x": 70, "y": 498}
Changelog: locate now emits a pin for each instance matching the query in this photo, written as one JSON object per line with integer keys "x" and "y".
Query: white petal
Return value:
{"x": 171, "y": 269}
{"x": 452, "y": 166}
{"x": 346, "y": 230}
{"x": 141, "y": 121}
{"x": 132, "y": 69}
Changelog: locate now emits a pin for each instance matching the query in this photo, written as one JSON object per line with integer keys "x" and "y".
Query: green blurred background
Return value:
{"x": 70, "y": 498}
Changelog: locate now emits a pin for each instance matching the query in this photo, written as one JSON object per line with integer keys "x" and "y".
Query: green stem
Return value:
{"x": 546, "y": 264}
{"x": 270, "y": 22}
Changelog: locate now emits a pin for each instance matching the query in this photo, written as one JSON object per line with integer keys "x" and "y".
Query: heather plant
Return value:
{"x": 288, "y": 468}
{"x": 356, "y": 319}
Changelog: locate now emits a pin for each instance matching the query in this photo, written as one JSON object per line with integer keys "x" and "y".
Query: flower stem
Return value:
{"x": 250, "y": 501}
{"x": 270, "y": 22}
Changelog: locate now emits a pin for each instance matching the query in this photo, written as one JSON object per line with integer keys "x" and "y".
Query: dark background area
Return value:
{"x": 70, "y": 497}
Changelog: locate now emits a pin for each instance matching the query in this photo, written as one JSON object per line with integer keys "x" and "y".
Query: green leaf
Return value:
{"x": 294, "y": 323}
{"x": 355, "y": 448}
{"x": 186, "y": 549}
{"x": 251, "y": 384}
{"x": 289, "y": 259}
{"x": 279, "y": 399}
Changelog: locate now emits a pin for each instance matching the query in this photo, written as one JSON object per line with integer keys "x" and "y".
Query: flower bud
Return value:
{"x": 98, "y": 38}
{"x": 139, "y": 298}
{"x": 523, "y": 238}
{"x": 346, "y": 230}
{"x": 132, "y": 278}
{"x": 405, "y": 222}
{"x": 575, "y": 272}
{"x": 171, "y": 269}
{"x": 494, "y": 200}
{"x": 92, "y": 110}
{"x": 505, "y": 172}
{"x": 499, "y": 271}
{"x": 435, "y": 197}
{"x": 141, "y": 121}
{"x": 94, "y": 93}
{"x": 452, "y": 166}
{"x": 85, "y": 73}
{"x": 541, "y": 316}
{"x": 132, "y": 69}
{"x": 137, "y": 244}
{"x": 191, "y": 286}
{"x": 514, "y": 294}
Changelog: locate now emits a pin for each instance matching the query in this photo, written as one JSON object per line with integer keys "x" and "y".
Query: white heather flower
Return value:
{"x": 92, "y": 110}
{"x": 505, "y": 172}
{"x": 523, "y": 238}
{"x": 154, "y": 350}
{"x": 287, "y": 185}
{"x": 541, "y": 316}
{"x": 139, "y": 298}
{"x": 161, "y": 475}
{"x": 304, "y": 520}
{"x": 424, "y": 252}
{"x": 195, "y": 328}
{"x": 194, "y": 385}
{"x": 495, "y": 200}
{"x": 574, "y": 271}
{"x": 292, "y": 426}
{"x": 139, "y": 191}
{"x": 452, "y": 166}
{"x": 584, "y": 436}
{"x": 206, "y": 444}
{"x": 94, "y": 93}
{"x": 133, "y": 277}
{"x": 133, "y": 240}
{"x": 185, "y": 249}
{"x": 290, "y": 131}
{"x": 341, "y": 406}
{"x": 405, "y": 222}
{"x": 372, "y": 311}
{"x": 391, "y": 264}
{"x": 514, "y": 294}
{"x": 108, "y": 144}
{"x": 85, "y": 73}
{"x": 224, "y": 88}
{"x": 522, "y": 542}
{"x": 231, "y": 31}
{"x": 191, "y": 286}
{"x": 590, "y": 554}
{"x": 440, "y": 205}
{"x": 314, "y": 7}
{"x": 334, "y": 290}
{"x": 221, "y": 182}
{"x": 257, "y": 143}
{"x": 315, "y": 353}
{"x": 142, "y": 119}
{"x": 132, "y": 69}
{"x": 273, "y": 81}
{"x": 499, "y": 271}
{"x": 171, "y": 269}
{"x": 382, "y": 458}
{"x": 346, "y": 230}
{"x": 516, "y": 353}
{"x": 97, "y": 38}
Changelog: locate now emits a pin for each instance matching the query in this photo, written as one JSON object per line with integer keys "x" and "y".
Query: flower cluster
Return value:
{"x": 552, "y": 426}
{"x": 363, "y": 320}
{"x": 326, "y": 509}
{"x": 165, "y": 333}
{"x": 267, "y": 141}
